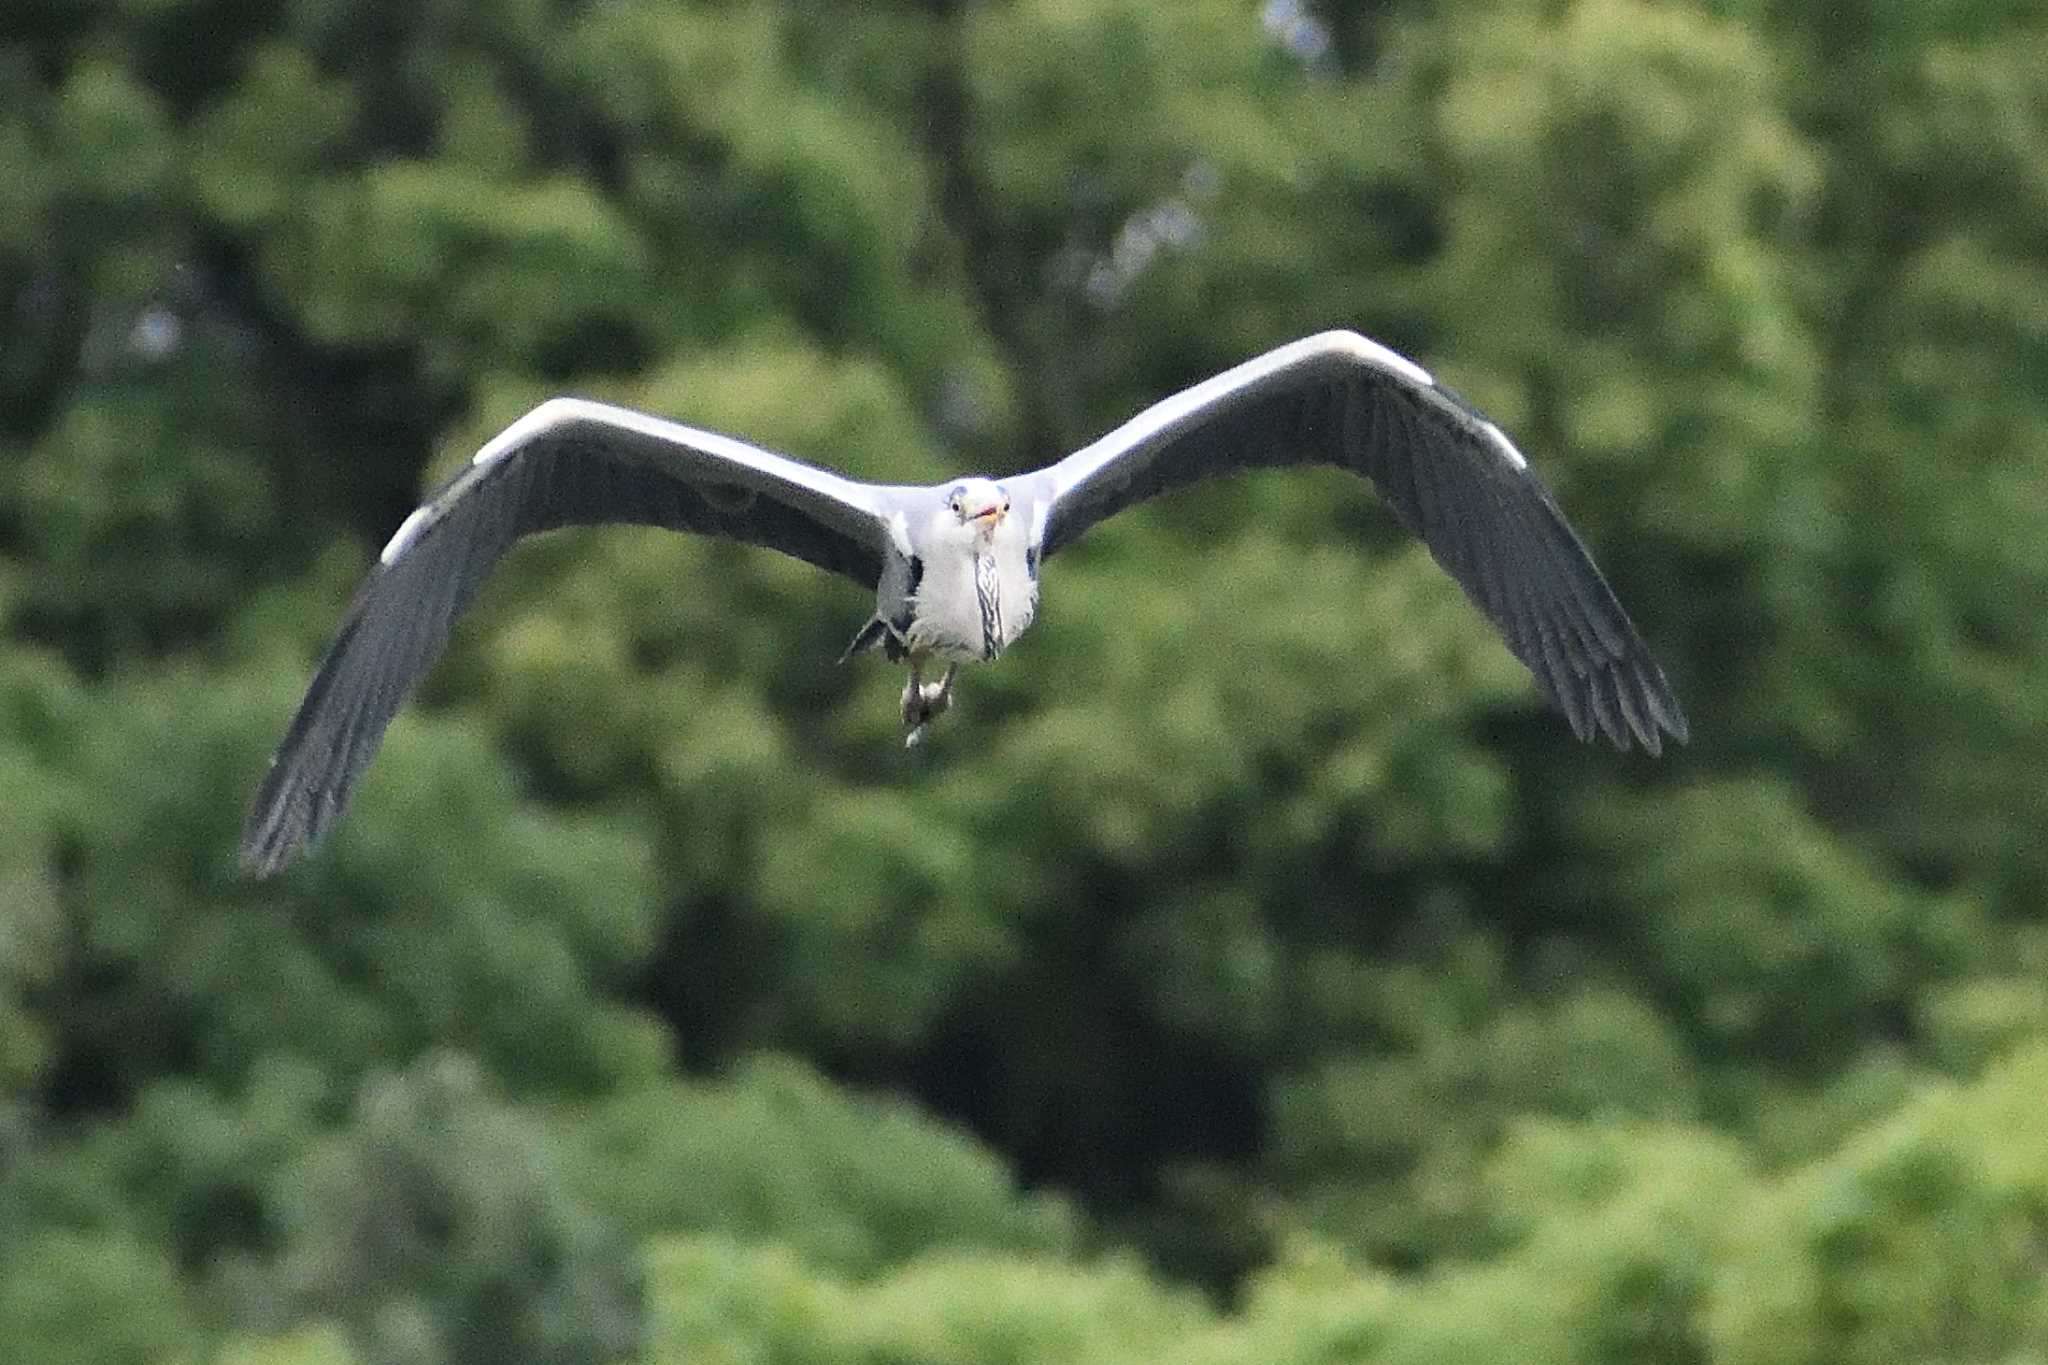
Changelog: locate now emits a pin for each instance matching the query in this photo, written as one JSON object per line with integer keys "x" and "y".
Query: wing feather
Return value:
{"x": 1450, "y": 476}
{"x": 570, "y": 462}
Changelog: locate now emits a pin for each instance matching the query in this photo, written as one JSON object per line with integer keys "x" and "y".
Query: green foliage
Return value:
{"x": 1920, "y": 1239}
{"x": 775, "y": 1153}
{"x": 168, "y": 964}
{"x": 1388, "y": 1149}
{"x": 720, "y": 1301}
{"x": 324, "y": 1345}
{"x": 1251, "y": 969}
{"x": 436, "y": 1227}
{"x": 1625, "y": 1243}
{"x": 78, "y": 1299}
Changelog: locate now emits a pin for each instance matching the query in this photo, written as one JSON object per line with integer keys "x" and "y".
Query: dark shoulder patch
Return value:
{"x": 899, "y": 624}
{"x": 1031, "y": 561}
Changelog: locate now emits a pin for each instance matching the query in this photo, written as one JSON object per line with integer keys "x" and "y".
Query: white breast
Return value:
{"x": 974, "y": 598}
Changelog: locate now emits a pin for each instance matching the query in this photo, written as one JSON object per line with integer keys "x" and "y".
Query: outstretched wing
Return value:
{"x": 569, "y": 462}
{"x": 1452, "y": 477}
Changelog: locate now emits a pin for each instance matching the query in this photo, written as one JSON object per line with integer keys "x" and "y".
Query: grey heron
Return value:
{"x": 954, "y": 566}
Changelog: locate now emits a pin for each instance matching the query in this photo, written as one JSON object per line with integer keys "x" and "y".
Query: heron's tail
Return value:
{"x": 876, "y": 632}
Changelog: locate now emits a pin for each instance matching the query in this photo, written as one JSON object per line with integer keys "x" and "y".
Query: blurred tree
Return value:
{"x": 776, "y": 1153}
{"x": 1253, "y": 918}
{"x": 437, "y": 1229}
{"x": 1920, "y": 1238}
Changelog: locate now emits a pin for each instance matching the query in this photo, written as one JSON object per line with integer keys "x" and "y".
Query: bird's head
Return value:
{"x": 979, "y": 503}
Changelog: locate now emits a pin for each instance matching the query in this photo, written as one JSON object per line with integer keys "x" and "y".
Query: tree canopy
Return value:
{"x": 1253, "y": 970}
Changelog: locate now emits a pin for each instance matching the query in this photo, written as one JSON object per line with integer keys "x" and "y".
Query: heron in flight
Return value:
{"x": 954, "y": 567}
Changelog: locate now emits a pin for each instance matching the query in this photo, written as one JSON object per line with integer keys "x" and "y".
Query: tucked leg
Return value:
{"x": 915, "y": 713}
{"x": 924, "y": 701}
{"x": 939, "y": 695}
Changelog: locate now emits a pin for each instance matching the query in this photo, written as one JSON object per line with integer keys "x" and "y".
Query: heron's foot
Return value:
{"x": 939, "y": 695}
{"x": 924, "y": 702}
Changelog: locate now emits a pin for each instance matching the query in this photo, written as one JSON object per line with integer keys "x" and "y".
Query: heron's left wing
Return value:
{"x": 1451, "y": 476}
{"x": 569, "y": 462}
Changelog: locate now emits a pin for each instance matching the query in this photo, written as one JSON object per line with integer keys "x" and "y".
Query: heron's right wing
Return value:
{"x": 1451, "y": 476}
{"x": 569, "y": 462}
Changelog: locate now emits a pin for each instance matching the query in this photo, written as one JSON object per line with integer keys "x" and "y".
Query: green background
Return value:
{"x": 1250, "y": 969}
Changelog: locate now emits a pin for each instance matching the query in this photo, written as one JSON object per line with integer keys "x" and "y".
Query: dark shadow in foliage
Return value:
{"x": 438, "y": 1229}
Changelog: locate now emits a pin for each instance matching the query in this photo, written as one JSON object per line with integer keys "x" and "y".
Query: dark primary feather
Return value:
{"x": 582, "y": 464}
{"x": 1338, "y": 399}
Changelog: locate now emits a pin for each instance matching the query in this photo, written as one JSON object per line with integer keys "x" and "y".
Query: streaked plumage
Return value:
{"x": 954, "y": 566}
